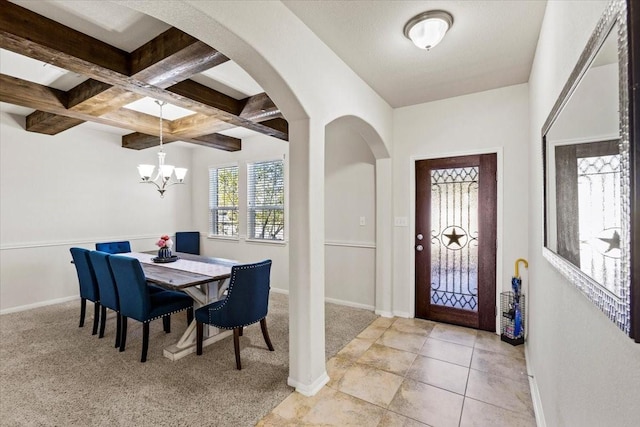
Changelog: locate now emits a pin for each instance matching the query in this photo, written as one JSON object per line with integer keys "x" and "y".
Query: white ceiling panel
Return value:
{"x": 230, "y": 77}
{"x": 111, "y": 23}
{"x": 39, "y": 72}
{"x": 169, "y": 111}
{"x": 491, "y": 44}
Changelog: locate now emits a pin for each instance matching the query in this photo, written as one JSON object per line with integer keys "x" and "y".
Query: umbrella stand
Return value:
{"x": 512, "y": 304}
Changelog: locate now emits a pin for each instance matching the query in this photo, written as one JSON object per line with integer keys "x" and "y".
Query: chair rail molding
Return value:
{"x": 83, "y": 241}
{"x": 350, "y": 244}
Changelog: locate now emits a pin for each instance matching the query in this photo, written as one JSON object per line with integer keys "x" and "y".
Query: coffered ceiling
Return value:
{"x": 90, "y": 80}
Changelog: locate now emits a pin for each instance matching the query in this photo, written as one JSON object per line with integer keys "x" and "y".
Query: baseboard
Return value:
{"x": 404, "y": 314}
{"x": 349, "y": 304}
{"x": 310, "y": 389}
{"x": 274, "y": 290}
{"x": 384, "y": 313}
{"x": 535, "y": 393}
{"x": 38, "y": 304}
{"x": 333, "y": 301}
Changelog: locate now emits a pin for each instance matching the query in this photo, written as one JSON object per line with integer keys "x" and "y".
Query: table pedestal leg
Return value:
{"x": 174, "y": 352}
{"x": 204, "y": 295}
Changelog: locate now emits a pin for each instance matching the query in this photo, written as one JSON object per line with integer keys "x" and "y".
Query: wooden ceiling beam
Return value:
{"x": 198, "y": 124}
{"x": 278, "y": 124}
{"x": 39, "y": 97}
{"x": 172, "y": 57}
{"x": 259, "y": 108}
{"x": 32, "y": 35}
{"x": 167, "y": 59}
{"x": 205, "y": 104}
{"x": 52, "y": 124}
{"x": 32, "y": 95}
{"x": 217, "y": 103}
{"x": 140, "y": 141}
{"x": 45, "y": 32}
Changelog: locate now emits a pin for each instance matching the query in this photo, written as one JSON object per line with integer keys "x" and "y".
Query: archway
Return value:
{"x": 357, "y": 215}
{"x": 286, "y": 63}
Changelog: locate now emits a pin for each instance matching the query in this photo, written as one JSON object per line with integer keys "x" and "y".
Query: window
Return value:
{"x": 265, "y": 199}
{"x": 223, "y": 201}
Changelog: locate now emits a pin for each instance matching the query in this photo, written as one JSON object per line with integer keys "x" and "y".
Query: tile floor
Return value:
{"x": 413, "y": 372}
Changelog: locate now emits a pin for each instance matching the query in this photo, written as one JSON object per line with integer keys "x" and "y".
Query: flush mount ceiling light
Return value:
{"x": 427, "y": 29}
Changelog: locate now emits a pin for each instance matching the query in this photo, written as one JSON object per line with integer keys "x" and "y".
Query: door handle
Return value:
{"x": 419, "y": 248}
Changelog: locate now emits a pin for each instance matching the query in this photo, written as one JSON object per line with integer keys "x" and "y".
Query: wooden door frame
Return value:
{"x": 411, "y": 259}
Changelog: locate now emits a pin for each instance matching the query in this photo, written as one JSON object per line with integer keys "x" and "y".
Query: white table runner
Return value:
{"x": 212, "y": 270}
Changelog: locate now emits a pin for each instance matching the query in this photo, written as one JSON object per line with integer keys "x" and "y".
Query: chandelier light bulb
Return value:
{"x": 180, "y": 173}
{"x": 146, "y": 171}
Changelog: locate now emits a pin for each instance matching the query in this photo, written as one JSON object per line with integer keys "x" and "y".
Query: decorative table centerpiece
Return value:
{"x": 165, "y": 244}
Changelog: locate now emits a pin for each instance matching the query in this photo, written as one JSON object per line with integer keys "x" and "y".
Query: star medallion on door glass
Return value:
{"x": 454, "y": 237}
{"x": 607, "y": 242}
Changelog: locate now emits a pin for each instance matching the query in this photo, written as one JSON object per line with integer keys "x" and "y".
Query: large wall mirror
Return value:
{"x": 590, "y": 165}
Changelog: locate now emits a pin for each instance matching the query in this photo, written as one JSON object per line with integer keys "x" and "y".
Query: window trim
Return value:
{"x": 248, "y": 233}
{"x": 237, "y": 207}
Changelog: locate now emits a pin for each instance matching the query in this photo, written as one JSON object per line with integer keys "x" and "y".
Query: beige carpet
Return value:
{"x": 53, "y": 373}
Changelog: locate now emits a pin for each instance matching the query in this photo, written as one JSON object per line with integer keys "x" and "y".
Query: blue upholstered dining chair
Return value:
{"x": 120, "y": 248}
{"x": 108, "y": 292}
{"x": 138, "y": 303}
{"x": 247, "y": 302}
{"x": 88, "y": 285}
{"x": 188, "y": 242}
{"x": 114, "y": 247}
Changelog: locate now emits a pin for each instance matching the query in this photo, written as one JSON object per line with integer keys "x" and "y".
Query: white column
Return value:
{"x": 307, "y": 370}
{"x": 384, "y": 237}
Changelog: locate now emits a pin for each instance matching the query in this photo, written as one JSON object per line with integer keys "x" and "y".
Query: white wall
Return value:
{"x": 350, "y": 194}
{"x": 492, "y": 121}
{"x": 255, "y": 148}
{"x": 586, "y": 372}
{"x": 74, "y": 189}
{"x": 592, "y": 112}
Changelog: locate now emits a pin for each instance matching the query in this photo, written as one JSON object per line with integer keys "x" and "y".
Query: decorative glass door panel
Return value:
{"x": 455, "y": 241}
{"x": 587, "y": 228}
{"x": 599, "y": 222}
{"x": 454, "y": 237}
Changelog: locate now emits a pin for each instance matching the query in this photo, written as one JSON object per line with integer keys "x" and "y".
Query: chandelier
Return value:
{"x": 163, "y": 178}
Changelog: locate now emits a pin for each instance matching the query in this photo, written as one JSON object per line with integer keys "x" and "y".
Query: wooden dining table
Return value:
{"x": 204, "y": 279}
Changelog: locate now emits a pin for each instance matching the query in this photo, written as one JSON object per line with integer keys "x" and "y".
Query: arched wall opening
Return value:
{"x": 357, "y": 211}
{"x": 286, "y": 63}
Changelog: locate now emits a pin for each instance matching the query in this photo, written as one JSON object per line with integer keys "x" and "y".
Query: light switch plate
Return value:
{"x": 400, "y": 221}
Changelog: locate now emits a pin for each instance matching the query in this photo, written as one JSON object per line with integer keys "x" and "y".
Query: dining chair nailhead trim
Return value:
{"x": 166, "y": 314}
{"x": 239, "y": 326}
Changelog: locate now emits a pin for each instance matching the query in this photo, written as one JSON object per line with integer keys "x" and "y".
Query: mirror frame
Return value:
{"x": 623, "y": 310}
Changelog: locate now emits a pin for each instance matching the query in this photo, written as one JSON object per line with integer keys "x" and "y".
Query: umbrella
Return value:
{"x": 516, "y": 285}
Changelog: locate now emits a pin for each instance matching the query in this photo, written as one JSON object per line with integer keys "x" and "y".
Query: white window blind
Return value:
{"x": 223, "y": 201}
{"x": 265, "y": 199}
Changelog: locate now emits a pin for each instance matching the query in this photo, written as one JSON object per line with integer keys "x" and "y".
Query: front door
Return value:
{"x": 455, "y": 240}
